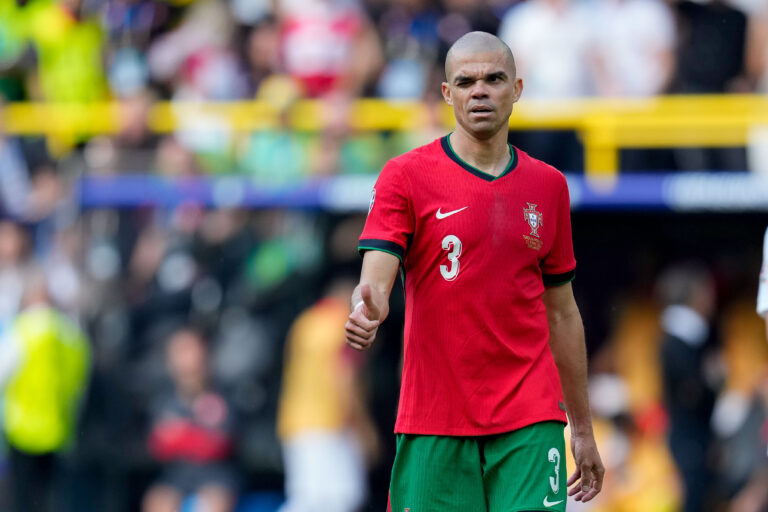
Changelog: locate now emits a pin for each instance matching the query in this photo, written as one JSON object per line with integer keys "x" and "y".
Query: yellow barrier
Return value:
{"x": 604, "y": 125}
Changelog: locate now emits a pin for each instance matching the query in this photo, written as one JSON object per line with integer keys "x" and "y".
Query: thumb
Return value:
{"x": 367, "y": 296}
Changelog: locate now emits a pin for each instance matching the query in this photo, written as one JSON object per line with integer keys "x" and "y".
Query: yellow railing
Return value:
{"x": 604, "y": 125}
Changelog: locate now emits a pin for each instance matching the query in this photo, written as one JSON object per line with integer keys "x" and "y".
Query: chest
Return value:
{"x": 511, "y": 219}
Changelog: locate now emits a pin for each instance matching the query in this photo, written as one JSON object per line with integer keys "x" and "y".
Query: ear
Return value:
{"x": 447, "y": 93}
{"x": 518, "y": 88}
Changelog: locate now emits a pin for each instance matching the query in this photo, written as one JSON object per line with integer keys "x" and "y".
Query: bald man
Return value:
{"x": 494, "y": 358}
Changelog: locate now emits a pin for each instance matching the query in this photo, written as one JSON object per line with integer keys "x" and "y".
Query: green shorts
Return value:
{"x": 518, "y": 471}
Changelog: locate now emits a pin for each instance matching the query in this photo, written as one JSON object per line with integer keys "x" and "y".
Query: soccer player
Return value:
{"x": 494, "y": 343}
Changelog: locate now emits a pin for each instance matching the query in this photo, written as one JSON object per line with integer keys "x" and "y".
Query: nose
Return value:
{"x": 478, "y": 90}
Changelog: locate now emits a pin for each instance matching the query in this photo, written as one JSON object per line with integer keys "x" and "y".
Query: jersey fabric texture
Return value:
{"x": 477, "y": 252}
{"x": 517, "y": 471}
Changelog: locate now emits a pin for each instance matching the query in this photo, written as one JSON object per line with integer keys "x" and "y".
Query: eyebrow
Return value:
{"x": 464, "y": 78}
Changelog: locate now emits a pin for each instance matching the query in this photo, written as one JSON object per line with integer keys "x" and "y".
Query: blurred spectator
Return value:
{"x": 192, "y": 434}
{"x": 462, "y": 16}
{"x": 328, "y": 45}
{"x": 69, "y": 47}
{"x": 196, "y": 59}
{"x": 133, "y": 149}
{"x": 28, "y": 183}
{"x": 44, "y": 366}
{"x": 262, "y": 52}
{"x": 130, "y": 24}
{"x": 409, "y": 34}
{"x": 688, "y": 295}
{"x": 13, "y": 42}
{"x": 15, "y": 267}
{"x": 710, "y": 58}
{"x": 711, "y": 47}
{"x": 279, "y": 155}
{"x": 550, "y": 41}
{"x": 753, "y": 497}
{"x": 633, "y": 42}
{"x": 757, "y": 49}
{"x": 322, "y": 422}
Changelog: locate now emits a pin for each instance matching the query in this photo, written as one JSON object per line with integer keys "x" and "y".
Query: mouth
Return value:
{"x": 481, "y": 109}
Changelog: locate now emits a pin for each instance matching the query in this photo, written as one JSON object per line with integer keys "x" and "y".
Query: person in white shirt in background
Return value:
{"x": 633, "y": 46}
{"x": 550, "y": 41}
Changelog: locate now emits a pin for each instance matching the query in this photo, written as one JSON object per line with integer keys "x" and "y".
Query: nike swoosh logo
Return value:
{"x": 441, "y": 215}
{"x": 548, "y": 503}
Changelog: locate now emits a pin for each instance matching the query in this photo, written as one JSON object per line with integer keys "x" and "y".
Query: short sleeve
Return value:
{"x": 558, "y": 267}
{"x": 390, "y": 221}
{"x": 762, "y": 291}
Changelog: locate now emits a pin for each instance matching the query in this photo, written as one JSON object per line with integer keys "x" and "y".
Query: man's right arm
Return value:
{"x": 370, "y": 299}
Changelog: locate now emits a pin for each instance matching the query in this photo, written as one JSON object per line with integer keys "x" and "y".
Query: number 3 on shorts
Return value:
{"x": 554, "y": 457}
{"x": 452, "y": 244}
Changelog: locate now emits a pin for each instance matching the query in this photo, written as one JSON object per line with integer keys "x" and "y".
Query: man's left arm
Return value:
{"x": 566, "y": 340}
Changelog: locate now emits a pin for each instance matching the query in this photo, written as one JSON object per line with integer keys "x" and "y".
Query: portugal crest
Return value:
{"x": 533, "y": 217}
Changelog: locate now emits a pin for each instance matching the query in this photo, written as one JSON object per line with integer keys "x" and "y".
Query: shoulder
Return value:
{"x": 540, "y": 169}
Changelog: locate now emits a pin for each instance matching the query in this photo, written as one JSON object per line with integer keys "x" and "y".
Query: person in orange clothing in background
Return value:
{"x": 192, "y": 434}
{"x": 753, "y": 497}
{"x": 322, "y": 421}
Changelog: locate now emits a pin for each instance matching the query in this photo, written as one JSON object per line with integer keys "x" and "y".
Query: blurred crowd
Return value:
{"x": 207, "y": 364}
{"x": 142, "y": 51}
{"x": 212, "y": 368}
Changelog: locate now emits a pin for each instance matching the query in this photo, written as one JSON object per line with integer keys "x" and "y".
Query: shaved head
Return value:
{"x": 473, "y": 43}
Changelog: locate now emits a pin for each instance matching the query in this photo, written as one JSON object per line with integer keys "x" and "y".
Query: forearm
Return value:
{"x": 568, "y": 348}
{"x": 379, "y": 272}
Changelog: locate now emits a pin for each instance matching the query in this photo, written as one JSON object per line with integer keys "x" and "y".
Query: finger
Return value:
{"x": 587, "y": 477}
{"x": 367, "y": 296}
{"x": 362, "y": 342}
{"x": 359, "y": 318}
{"x": 591, "y": 483}
{"x": 356, "y": 329}
{"x": 355, "y": 346}
{"x": 589, "y": 495}
{"x": 573, "y": 478}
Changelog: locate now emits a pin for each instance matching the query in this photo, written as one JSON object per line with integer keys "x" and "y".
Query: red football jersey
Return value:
{"x": 477, "y": 252}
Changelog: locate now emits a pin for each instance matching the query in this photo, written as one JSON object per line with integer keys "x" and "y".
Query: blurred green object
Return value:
{"x": 69, "y": 53}
{"x": 41, "y": 398}
{"x": 363, "y": 154}
{"x": 270, "y": 264}
{"x": 13, "y": 37}
{"x": 276, "y": 157}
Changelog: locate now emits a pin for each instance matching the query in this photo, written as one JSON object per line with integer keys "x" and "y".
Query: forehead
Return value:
{"x": 478, "y": 64}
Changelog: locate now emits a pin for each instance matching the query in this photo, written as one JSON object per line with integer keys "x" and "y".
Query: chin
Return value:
{"x": 482, "y": 131}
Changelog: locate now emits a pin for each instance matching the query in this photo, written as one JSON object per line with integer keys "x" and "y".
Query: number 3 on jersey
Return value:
{"x": 452, "y": 244}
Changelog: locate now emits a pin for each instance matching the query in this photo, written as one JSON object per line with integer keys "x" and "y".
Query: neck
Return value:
{"x": 489, "y": 155}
